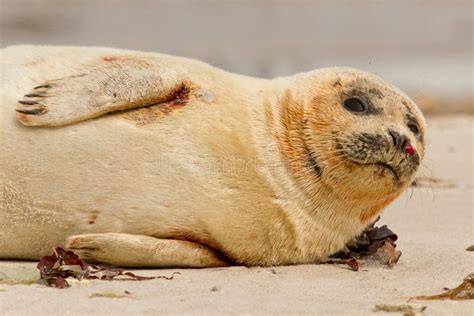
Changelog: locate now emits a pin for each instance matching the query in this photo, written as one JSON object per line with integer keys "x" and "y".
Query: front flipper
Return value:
{"x": 105, "y": 86}
{"x": 125, "y": 250}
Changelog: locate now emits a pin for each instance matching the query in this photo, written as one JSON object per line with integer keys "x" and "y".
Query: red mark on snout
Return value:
{"x": 409, "y": 149}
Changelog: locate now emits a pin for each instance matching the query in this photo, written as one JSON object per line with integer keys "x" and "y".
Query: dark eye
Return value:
{"x": 414, "y": 128}
{"x": 355, "y": 105}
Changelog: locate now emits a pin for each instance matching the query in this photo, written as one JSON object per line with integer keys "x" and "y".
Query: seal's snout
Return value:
{"x": 390, "y": 152}
{"x": 405, "y": 158}
{"x": 402, "y": 143}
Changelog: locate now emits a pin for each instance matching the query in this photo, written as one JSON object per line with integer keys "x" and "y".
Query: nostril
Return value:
{"x": 395, "y": 138}
{"x": 401, "y": 142}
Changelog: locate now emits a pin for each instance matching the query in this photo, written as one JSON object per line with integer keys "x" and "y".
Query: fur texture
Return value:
{"x": 143, "y": 159}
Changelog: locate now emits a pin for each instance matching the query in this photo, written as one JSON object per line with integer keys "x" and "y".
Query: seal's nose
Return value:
{"x": 401, "y": 142}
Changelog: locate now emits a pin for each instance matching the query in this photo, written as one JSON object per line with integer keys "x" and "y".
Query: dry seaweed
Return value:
{"x": 428, "y": 182}
{"x": 62, "y": 264}
{"x": 110, "y": 294}
{"x": 374, "y": 244}
{"x": 465, "y": 291}
{"x": 406, "y": 309}
{"x": 351, "y": 262}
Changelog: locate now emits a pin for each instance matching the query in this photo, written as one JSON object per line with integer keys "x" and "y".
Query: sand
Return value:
{"x": 435, "y": 226}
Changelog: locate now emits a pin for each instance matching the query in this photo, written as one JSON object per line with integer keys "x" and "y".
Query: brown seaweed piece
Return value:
{"x": 374, "y": 243}
{"x": 465, "y": 291}
{"x": 62, "y": 264}
{"x": 352, "y": 263}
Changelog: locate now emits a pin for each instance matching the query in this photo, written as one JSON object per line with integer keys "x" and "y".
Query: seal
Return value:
{"x": 149, "y": 160}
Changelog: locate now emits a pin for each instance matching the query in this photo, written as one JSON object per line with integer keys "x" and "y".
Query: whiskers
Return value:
{"x": 425, "y": 177}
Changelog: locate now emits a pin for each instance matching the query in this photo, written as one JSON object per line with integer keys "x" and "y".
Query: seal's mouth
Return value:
{"x": 382, "y": 169}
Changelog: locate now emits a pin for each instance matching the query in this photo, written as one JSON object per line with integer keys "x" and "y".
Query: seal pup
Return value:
{"x": 148, "y": 160}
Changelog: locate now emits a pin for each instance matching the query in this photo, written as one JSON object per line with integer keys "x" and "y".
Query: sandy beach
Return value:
{"x": 423, "y": 47}
{"x": 434, "y": 223}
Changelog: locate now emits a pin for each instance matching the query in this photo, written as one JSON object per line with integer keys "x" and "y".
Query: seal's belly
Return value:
{"x": 107, "y": 175}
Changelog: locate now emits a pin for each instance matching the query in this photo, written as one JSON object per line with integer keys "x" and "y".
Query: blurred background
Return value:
{"x": 424, "y": 47}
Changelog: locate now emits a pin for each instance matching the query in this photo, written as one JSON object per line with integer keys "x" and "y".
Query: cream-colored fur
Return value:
{"x": 192, "y": 165}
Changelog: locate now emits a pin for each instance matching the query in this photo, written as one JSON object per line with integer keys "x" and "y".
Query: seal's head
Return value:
{"x": 364, "y": 138}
